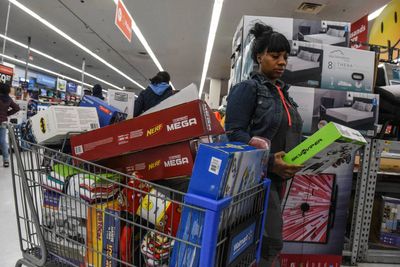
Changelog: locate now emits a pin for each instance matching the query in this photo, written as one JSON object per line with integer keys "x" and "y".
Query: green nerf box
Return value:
{"x": 332, "y": 145}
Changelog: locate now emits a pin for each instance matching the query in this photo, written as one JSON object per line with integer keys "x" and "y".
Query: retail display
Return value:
{"x": 158, "y": 163}
{"x": 6, "y": 74}
{"x": 122, "y": 100}
{"x": 51, "y": 126}
{"x": 317, "y": 107}
{"x": 224, "y": 169}
{"x": 107, "y": 114}
{"x": 332, "y": 145}
{"x": 179, "y": 123}
{"x": 390, "y": 230}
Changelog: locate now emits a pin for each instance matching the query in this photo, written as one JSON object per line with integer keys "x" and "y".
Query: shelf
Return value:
{"x": 383, "y": 256}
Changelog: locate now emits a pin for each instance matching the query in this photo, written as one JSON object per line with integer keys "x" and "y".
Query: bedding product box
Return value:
{"x": 332, "y": 145}
{"x": 122, "y": 100}
{"x": 51, "y": 126}
{"x": 175, "y": 124}
{"x": 390, "y": 229}
{"x": 107, "y": 113}
{"x": 359, "y": 111}
{"x": 164, "y": 162}
{"x": 224, "y": 169}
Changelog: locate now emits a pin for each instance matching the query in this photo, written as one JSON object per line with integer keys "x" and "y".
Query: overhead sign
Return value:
{"x": 123, "y": 20}
{"x": 6, "y": 74}
{"x": 61, "y": 84}
{"x": 359, "y": 33}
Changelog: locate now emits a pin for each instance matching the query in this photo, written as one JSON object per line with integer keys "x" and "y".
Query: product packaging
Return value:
{"x": 179, "y": 123}
{"x": 224, "y": 169}
{"x": 164, "y": 162}
{"x": 332, "y": 145}
{"x": 107, "y": 114}
{"x": 122, "y": 100}
{"x": 390, "y": 230}
{"x": 51, "y": 126}
{"x": 111, "y": 237}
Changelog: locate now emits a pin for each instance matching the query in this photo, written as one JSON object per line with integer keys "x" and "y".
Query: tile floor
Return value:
{"x": 9, "y": 247}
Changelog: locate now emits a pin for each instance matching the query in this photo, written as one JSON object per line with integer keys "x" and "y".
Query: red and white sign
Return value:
{"x": 6, "y": 74}
{"x": 123, "y": 20}
{"x": 359, "y": 33}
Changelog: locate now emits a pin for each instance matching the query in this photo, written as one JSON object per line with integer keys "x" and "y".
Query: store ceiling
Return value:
{"x": 176, "y": 30}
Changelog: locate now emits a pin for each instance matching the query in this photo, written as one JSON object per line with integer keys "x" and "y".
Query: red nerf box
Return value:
{"x": 175, "y": 124}
{"x": 157, "y": 163}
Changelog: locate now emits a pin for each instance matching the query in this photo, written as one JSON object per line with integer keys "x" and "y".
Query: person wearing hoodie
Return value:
{"x": 7, "y": 108}
{"x": 97, "y": 91}
{"x": 157, "y": 91}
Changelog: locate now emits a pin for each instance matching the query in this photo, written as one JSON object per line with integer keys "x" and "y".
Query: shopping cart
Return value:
{"x": 71, "y": 212}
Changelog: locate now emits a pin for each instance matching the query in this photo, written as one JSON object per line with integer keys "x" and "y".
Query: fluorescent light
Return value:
{"x": 376, "y": 13}
{"x": 45, "y": 70}
{"x": 143, "y": 40}
{"x": 59, "y": 61}
{"x": 216, "y": 13}
{"x": 69, "y": 38}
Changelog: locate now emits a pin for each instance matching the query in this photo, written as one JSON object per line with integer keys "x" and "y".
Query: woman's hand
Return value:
{"x": 283, "y": 169}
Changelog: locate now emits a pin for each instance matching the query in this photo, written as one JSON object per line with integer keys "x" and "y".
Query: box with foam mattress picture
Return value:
{"x": 332, "y": 145}
{"x": 164, "y": 162}
{"x": 179, "y": 123}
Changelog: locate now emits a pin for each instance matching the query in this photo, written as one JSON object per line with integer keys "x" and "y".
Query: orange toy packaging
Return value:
{"x": 183, "y": 122}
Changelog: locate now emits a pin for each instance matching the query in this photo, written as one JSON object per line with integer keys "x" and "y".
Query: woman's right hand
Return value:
{"x": 283, "y": 169}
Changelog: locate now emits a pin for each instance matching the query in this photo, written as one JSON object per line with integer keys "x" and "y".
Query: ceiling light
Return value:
{"x": 216, "y": 13}
{"x": 376, "y": 13}
{"x": 45, "y": 70}
{"x": 143, "y": 40}
{"x": 69, "y": 38}
{"x": 59, "y": 62}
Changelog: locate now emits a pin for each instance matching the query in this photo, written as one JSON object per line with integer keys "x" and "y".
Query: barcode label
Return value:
{"x": 78, "y": 150}
{"x": 215, "y": 165}
{"x": 94, "y": 126}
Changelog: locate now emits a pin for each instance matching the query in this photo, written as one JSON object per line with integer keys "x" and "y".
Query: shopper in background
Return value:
{"x": 97, "y": 91}
{"x": 158, "y": 90}
{"x": 7, "y": 108}
{"x": 261, "y": 107}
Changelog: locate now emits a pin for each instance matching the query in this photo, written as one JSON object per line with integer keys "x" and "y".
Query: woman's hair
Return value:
{"x": 267, "y": 38}
{"x": 5, "y": 89}
{"x": 161, "y": 77}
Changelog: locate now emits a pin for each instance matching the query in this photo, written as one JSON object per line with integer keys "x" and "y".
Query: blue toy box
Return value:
{"x": 224, "y": 169}
{"x": 107, "y": 114}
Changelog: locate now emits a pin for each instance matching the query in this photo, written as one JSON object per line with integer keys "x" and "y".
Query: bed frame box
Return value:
{"x": 176, "y": 124}
{"x": 332, "y": 145}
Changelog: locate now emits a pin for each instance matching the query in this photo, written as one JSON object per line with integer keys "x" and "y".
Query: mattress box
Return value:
{"x": 107, "y": 113}
{"x": 332, "y": 145}
{"x": 224, "y": 169}
{"x": 158, "y": 163}
{"x": 51, "y": 126}
{"x": 175, "y": 124}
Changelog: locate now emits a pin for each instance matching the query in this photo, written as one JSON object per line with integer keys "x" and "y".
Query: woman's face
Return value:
{"x": 272, "y": 64}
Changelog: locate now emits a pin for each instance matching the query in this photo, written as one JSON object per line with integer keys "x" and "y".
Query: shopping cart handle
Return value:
{"x": 207, "y": 203}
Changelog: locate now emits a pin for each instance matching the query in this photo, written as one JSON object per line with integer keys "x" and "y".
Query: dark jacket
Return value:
{"x": 7, "y": 108}
{"x": 255, "y": 109}
{"x": 148, "y": 99}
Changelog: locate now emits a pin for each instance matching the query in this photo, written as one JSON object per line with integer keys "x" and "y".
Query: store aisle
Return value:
{"x": 9, "y": 245}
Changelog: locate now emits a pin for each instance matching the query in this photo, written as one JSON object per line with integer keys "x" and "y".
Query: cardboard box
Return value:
{"x": 332, "y": 145}
{"x": 164, "y": 162}
{"x": 22, "y": 115}
{"x": 224, "y": 169}
{"x": 107, "y": 114}
{"x": 122, "y": 100}
{"x": 111, "y": 237}
{"x": 390, "y": 229}
{"x": 179, "y": 123}
{"x": 359, "y": 111}
{"x": 50, "y": 126}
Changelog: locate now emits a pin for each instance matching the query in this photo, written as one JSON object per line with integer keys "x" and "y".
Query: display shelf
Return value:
{"x": 382, "y": 256}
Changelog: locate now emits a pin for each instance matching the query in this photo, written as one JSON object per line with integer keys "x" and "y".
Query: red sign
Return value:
{"x": 123, "y": 20}
{"x": 359, "y": 33}
{"x": 6, "y": 74}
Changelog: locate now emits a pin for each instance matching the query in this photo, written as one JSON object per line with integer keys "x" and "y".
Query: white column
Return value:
{"x": 215, "y": 93}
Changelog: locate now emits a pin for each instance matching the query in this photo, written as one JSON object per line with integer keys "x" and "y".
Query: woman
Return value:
{"x": 7, "y": 108}
{"x": 157, "y": 91}
{"x": 261, "y": 107}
